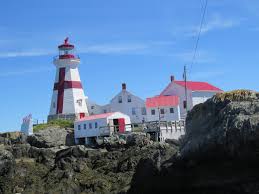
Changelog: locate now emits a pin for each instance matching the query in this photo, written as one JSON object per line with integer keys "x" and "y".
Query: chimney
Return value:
{"x": 124, "y": 86}
{"x": 172, "y": 78}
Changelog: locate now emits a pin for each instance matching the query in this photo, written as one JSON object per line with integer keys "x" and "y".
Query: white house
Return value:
{"x": 163, "y": 108}
{"x": 95, "y": 108}
{"x": 90, "y": 128}
{"x": 197, "y": 92}
{"x": 129, "y": 104}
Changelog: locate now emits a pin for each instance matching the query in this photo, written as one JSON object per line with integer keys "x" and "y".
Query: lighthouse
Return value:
{"x": 68, "y": 98}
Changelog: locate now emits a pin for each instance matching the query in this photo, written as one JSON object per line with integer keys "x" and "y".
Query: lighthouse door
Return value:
{"x": 82, "y": 115}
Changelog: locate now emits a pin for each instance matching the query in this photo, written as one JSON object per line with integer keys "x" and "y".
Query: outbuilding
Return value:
{"x": 88, "y": 129}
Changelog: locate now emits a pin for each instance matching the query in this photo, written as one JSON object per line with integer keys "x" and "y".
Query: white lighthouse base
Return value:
{"x": 71, "y": 117}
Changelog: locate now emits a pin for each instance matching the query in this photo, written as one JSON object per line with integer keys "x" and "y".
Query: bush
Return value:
{"x": 57, "y": 123}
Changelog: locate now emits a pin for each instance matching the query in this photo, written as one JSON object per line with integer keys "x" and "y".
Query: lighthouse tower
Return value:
{"x": 68, "y": 99}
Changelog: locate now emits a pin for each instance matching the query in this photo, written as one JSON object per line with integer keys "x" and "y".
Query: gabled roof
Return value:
{"x": 195, "y": 86}
{"x": 159, "y": 101}
{"x": 99, "y": 116}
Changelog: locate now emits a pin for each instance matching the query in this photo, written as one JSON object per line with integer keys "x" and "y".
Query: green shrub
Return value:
{"x": 57, "y": 123}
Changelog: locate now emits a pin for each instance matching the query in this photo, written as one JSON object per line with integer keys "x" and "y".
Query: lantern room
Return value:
{"x": 66, "y": 55}
{"x": 66, "y": 50}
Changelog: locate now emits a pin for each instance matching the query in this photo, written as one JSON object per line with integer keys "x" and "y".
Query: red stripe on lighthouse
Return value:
{"x": 60, "y": 89}
{"x": 61, "y": 86}
{"x": 68, "y": 84}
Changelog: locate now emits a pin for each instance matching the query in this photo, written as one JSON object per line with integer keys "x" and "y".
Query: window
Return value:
{"x": 79, "y": 127}
{"x": 162, "y": 111}
{"x": 153, "y": 112}
{"x": 90, "y": 126}
{"x": 84, "y": 126}
{"x": 95, "y": 125}
{"x": 171, "y": 110}
{"x": 54, "y": 105}
{"x": 79, "y": 102}
{"x": 92, "y": 107}
{"x": 133, "y": 111}
{"x": 120, "y": 99}
{"x": 184, "y": 104}
{"x": 144, "y": 111}
{"x": 129, "y": 98}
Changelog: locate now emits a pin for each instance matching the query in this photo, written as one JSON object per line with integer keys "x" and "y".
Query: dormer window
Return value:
{"x": 120, "y": 99}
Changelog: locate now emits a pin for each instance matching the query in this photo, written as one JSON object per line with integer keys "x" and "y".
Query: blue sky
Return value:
{"x": 140, "y": 42}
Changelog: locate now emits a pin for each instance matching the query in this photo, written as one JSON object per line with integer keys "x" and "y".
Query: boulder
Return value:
{"x": 126, "y": 140}
{"x": 137, "y": 138}
{"x": 227, "y": 124}
{"x": 12, "y": 138}
{"x": 6, "y": 163}
{"x": 50, "y": 137}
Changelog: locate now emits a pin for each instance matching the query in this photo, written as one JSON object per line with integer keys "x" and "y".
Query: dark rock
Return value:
{"x": 6, "y": 163}
{"x": 21, "y": 150}
{"x": 140, "y": 139}
{"x": 9, "y": 138}
{"x": 227, "y": 124}
{"x": 51, "y": 137}
{"x": 219, "y": 153}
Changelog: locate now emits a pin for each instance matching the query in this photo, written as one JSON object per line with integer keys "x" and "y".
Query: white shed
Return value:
{"x": 89, "y": 128}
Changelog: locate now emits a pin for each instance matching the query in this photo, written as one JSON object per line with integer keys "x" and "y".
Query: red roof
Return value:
{"x": 198, "y": 86}
{"x": 99, "y": 116}
{"x": 162, "y": 101}
{"x": 194, "y": 86}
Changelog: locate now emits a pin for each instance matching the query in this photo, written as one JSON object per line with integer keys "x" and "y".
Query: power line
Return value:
{"x": 199, "y": 33}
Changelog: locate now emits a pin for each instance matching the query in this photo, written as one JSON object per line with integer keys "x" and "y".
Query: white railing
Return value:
{"x": 155, "y": 126}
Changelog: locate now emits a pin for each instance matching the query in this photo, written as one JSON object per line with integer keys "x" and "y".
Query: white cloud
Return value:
{"x": 113, "y": 48}
{"x": 26, "y": 71}
{"x": 216, "y": 22}
{"x": 110, "y": 48}
{"x": 24, "y": 53}
{"x": 201, "y": 57}
{"x": 122, "y": 48}
{"x": 206, "y": 75}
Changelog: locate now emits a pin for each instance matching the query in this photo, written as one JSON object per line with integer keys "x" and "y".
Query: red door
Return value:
{"x": 121, "y": 122}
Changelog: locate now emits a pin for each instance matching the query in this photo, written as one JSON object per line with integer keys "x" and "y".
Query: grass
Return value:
{"x": 236, "y": 95}
{"x": 54, "y": 123}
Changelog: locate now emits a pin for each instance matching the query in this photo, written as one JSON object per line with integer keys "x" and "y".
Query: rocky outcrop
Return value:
{"x": 6, "y": 163}
{"x": 12, "y": 138}
{"x": 125, "y": 140}
{"x": 80, "y": 169}
{"x": 51, "y": 137}
{"x": 227, "y": 124}
{"x": 219, "y": 153}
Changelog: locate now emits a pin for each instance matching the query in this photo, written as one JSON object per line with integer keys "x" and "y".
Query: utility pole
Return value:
{"x": 185, "y": 87}
{"x": 159, "y": 124}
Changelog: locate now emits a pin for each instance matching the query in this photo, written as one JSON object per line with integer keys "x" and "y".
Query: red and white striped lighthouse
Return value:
{"x": 68, "y": 98}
